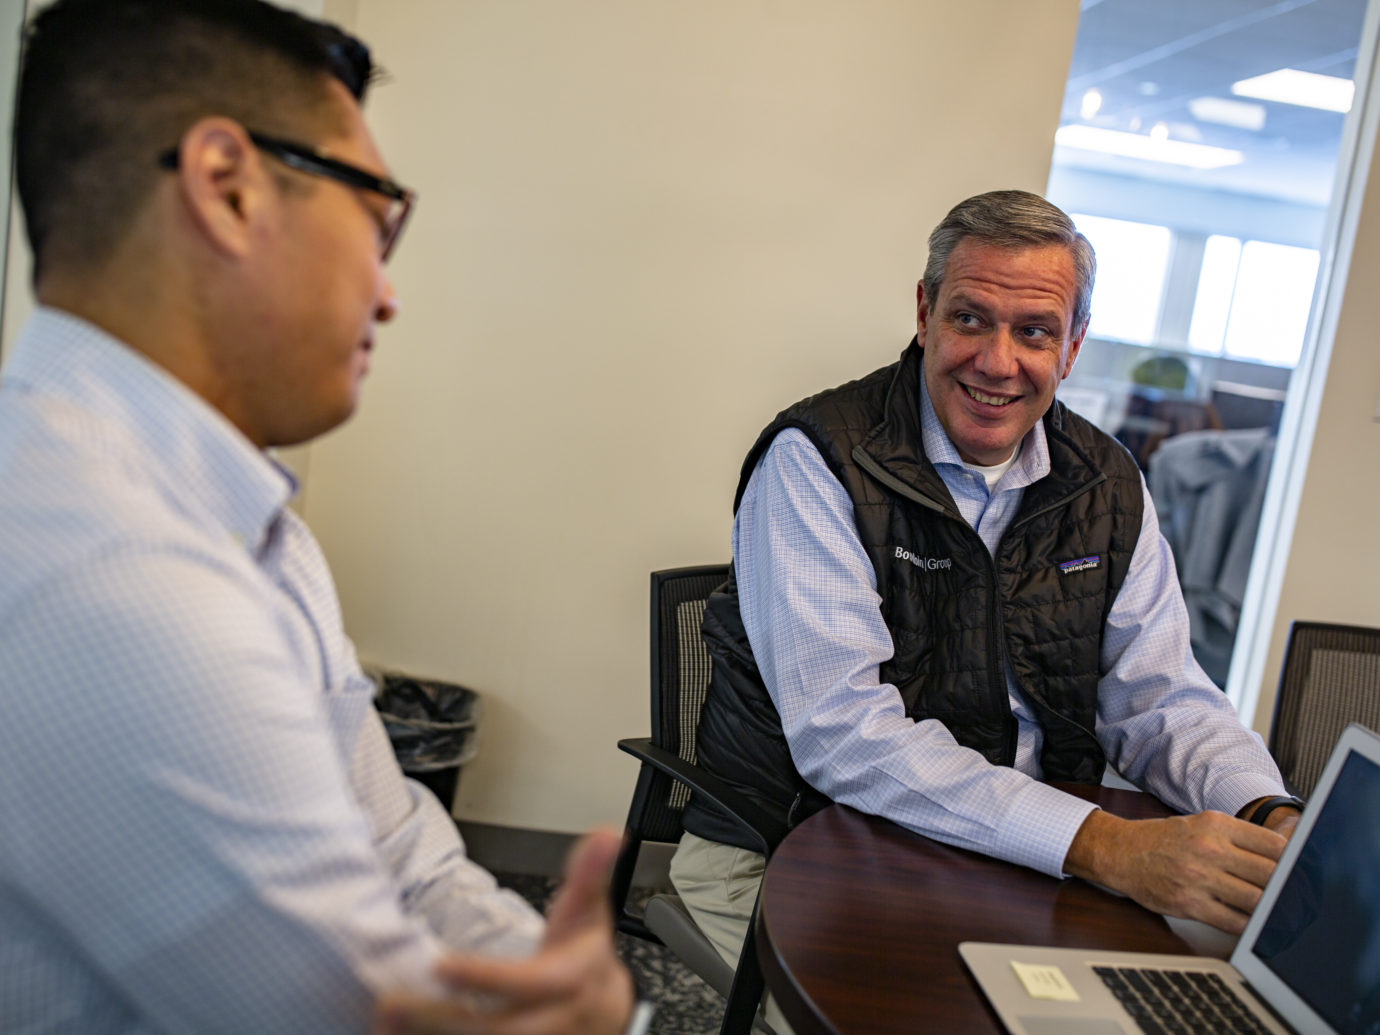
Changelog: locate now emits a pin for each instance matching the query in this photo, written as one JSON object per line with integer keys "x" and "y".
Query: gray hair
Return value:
{"x": 1013, "y": 219}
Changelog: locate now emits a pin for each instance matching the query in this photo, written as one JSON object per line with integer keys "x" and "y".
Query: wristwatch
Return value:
{"x": 1270, "y": 804}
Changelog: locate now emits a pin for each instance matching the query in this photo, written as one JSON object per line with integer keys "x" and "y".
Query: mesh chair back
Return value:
{"x": 1331, "y": 677}
{"x": 680, "y": 679}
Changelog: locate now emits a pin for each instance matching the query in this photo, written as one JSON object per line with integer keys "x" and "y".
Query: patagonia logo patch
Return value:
{"x": 926, "y": 563}
{"x": 1082, "y": 564}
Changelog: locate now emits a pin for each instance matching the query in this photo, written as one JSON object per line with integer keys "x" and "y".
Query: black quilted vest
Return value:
{"x": 955, "y": 615}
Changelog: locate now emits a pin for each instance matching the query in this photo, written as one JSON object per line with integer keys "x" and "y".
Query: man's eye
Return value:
{"x": 1035, "y": 333}
{"x": 966, "y": 320}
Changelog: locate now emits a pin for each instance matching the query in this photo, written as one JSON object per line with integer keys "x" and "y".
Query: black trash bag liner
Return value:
{"x": 432, "y": 725}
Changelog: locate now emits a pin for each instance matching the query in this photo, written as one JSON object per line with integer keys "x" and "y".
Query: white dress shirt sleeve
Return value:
{"x": 417, "y": 840}
{"x": 224, "y": 857}
{"x": 1164, "y": 724}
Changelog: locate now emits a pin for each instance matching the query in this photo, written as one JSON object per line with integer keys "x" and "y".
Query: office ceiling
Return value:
{"x": 1150, "y": 58}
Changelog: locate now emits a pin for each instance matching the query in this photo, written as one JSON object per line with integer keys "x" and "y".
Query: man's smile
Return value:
{"x": 989, "y": 400}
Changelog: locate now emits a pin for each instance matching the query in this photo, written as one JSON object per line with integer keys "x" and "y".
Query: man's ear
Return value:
{"x": 1075, "y": 343}
{"x": 223, "y": 183}
{"x": 922, "y": 310}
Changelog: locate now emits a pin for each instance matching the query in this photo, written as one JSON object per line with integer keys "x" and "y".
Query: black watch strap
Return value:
{"x": 1263, "y": 810}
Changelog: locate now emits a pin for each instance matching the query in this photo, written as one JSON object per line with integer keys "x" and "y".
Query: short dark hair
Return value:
{"x": 107, "y": 85}
{"x": 1013, "y": 219}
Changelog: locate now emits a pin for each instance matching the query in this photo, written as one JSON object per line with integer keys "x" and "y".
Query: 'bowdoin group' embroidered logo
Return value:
{"x": 926, "y": 563}
{"x": 1081, "y": 564}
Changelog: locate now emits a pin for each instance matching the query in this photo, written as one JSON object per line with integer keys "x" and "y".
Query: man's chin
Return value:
{"x": 987, "y": 450}
{"x": 303, "y": 431}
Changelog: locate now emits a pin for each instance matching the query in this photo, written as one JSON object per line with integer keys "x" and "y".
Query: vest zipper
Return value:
{"x": 997, "y": 653}
{"x": 1088, "y": 487}
{"x": 998, "y": 634}
{"x": 1098, "y": 480}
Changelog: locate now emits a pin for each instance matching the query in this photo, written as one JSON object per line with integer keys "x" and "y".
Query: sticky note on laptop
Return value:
{"x": 1042, "y": 981}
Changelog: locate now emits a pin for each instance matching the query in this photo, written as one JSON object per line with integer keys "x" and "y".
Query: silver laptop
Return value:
{"x": 1308, "y": 961}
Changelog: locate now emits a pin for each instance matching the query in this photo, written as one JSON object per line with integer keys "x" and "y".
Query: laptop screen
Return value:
{"x": 1322, "y": 936}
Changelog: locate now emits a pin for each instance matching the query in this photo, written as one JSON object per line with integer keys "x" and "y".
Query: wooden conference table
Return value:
{"x": 860, "y": 920}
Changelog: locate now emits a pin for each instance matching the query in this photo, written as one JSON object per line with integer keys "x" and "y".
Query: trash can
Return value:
{"x": 433, "y": 726}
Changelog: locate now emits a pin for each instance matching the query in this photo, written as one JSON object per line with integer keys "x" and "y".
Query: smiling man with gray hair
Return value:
{"x": 948, "y": 589}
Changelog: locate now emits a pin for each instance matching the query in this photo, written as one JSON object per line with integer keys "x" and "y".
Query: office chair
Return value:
{"x": 680, "y": 677}
{"x": 1330, "y": 677}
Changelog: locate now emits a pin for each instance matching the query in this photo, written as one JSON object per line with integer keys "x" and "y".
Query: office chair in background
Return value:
{"x": 680, "y": 678}
{"x": 1330, "y": 677}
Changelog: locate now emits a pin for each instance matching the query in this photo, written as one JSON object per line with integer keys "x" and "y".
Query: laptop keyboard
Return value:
{"x": 1178, "y": 1002}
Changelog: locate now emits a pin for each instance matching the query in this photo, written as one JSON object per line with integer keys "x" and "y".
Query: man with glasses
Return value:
{"x": 202, "y": 825}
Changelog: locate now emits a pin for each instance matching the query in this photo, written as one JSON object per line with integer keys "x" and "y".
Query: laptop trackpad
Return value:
{"x": 1069, "y": 1026}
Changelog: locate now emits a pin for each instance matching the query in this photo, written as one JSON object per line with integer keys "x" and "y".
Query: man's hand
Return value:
{"x": 1283, "y": 821}
{"x": 1209, "y": 867}
{"x": 574, "y": 983}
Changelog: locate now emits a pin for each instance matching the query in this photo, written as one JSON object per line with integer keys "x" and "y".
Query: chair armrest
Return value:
{"x": 766, "y": 829}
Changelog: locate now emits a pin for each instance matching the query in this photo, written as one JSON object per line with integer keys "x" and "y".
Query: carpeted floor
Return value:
{"x": 685, "y": 1005}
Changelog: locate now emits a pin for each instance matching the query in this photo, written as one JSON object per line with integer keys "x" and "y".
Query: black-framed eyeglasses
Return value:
{"x": 307, "y": 159}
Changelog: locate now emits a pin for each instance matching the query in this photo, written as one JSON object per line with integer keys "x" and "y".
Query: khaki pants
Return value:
{"x": 719, "y": 884}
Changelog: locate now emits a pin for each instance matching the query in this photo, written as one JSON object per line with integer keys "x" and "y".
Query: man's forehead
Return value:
{"x": 1036, "y": 274}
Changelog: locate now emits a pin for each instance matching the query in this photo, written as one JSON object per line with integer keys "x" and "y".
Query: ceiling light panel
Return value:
{"x": 1136, "y": 145}
{"x": 1223, "y": 111}
{"x": 1306, "y": 89}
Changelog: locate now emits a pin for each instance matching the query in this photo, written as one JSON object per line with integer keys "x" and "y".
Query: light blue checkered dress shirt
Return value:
{"x": 202, "y": 825}
{"x": 809, "y": 601}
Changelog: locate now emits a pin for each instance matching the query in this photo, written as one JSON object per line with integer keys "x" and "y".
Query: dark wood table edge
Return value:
{"x": 801, "y": 1011}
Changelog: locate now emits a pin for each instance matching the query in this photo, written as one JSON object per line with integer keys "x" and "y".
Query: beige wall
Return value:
{"x": 645, "y": 226}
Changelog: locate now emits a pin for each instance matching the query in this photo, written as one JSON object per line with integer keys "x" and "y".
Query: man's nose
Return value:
{"x": 387, "y": 306}
{"x": 997, "y": 359}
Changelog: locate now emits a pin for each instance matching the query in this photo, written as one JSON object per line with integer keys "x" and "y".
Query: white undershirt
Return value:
{"x": 992, "y": 475}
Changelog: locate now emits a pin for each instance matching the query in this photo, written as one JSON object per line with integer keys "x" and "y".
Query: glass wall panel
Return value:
{"x": 1204, "y": 185}
{"x": 1212, "y": 302}
{"x": 1269, "y": 311}
{"x": 1132, "y": 259}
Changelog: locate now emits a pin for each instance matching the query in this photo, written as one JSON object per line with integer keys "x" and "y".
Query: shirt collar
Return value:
{"x": 188, "y": 446}
{"x": 1031, "y": 465}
